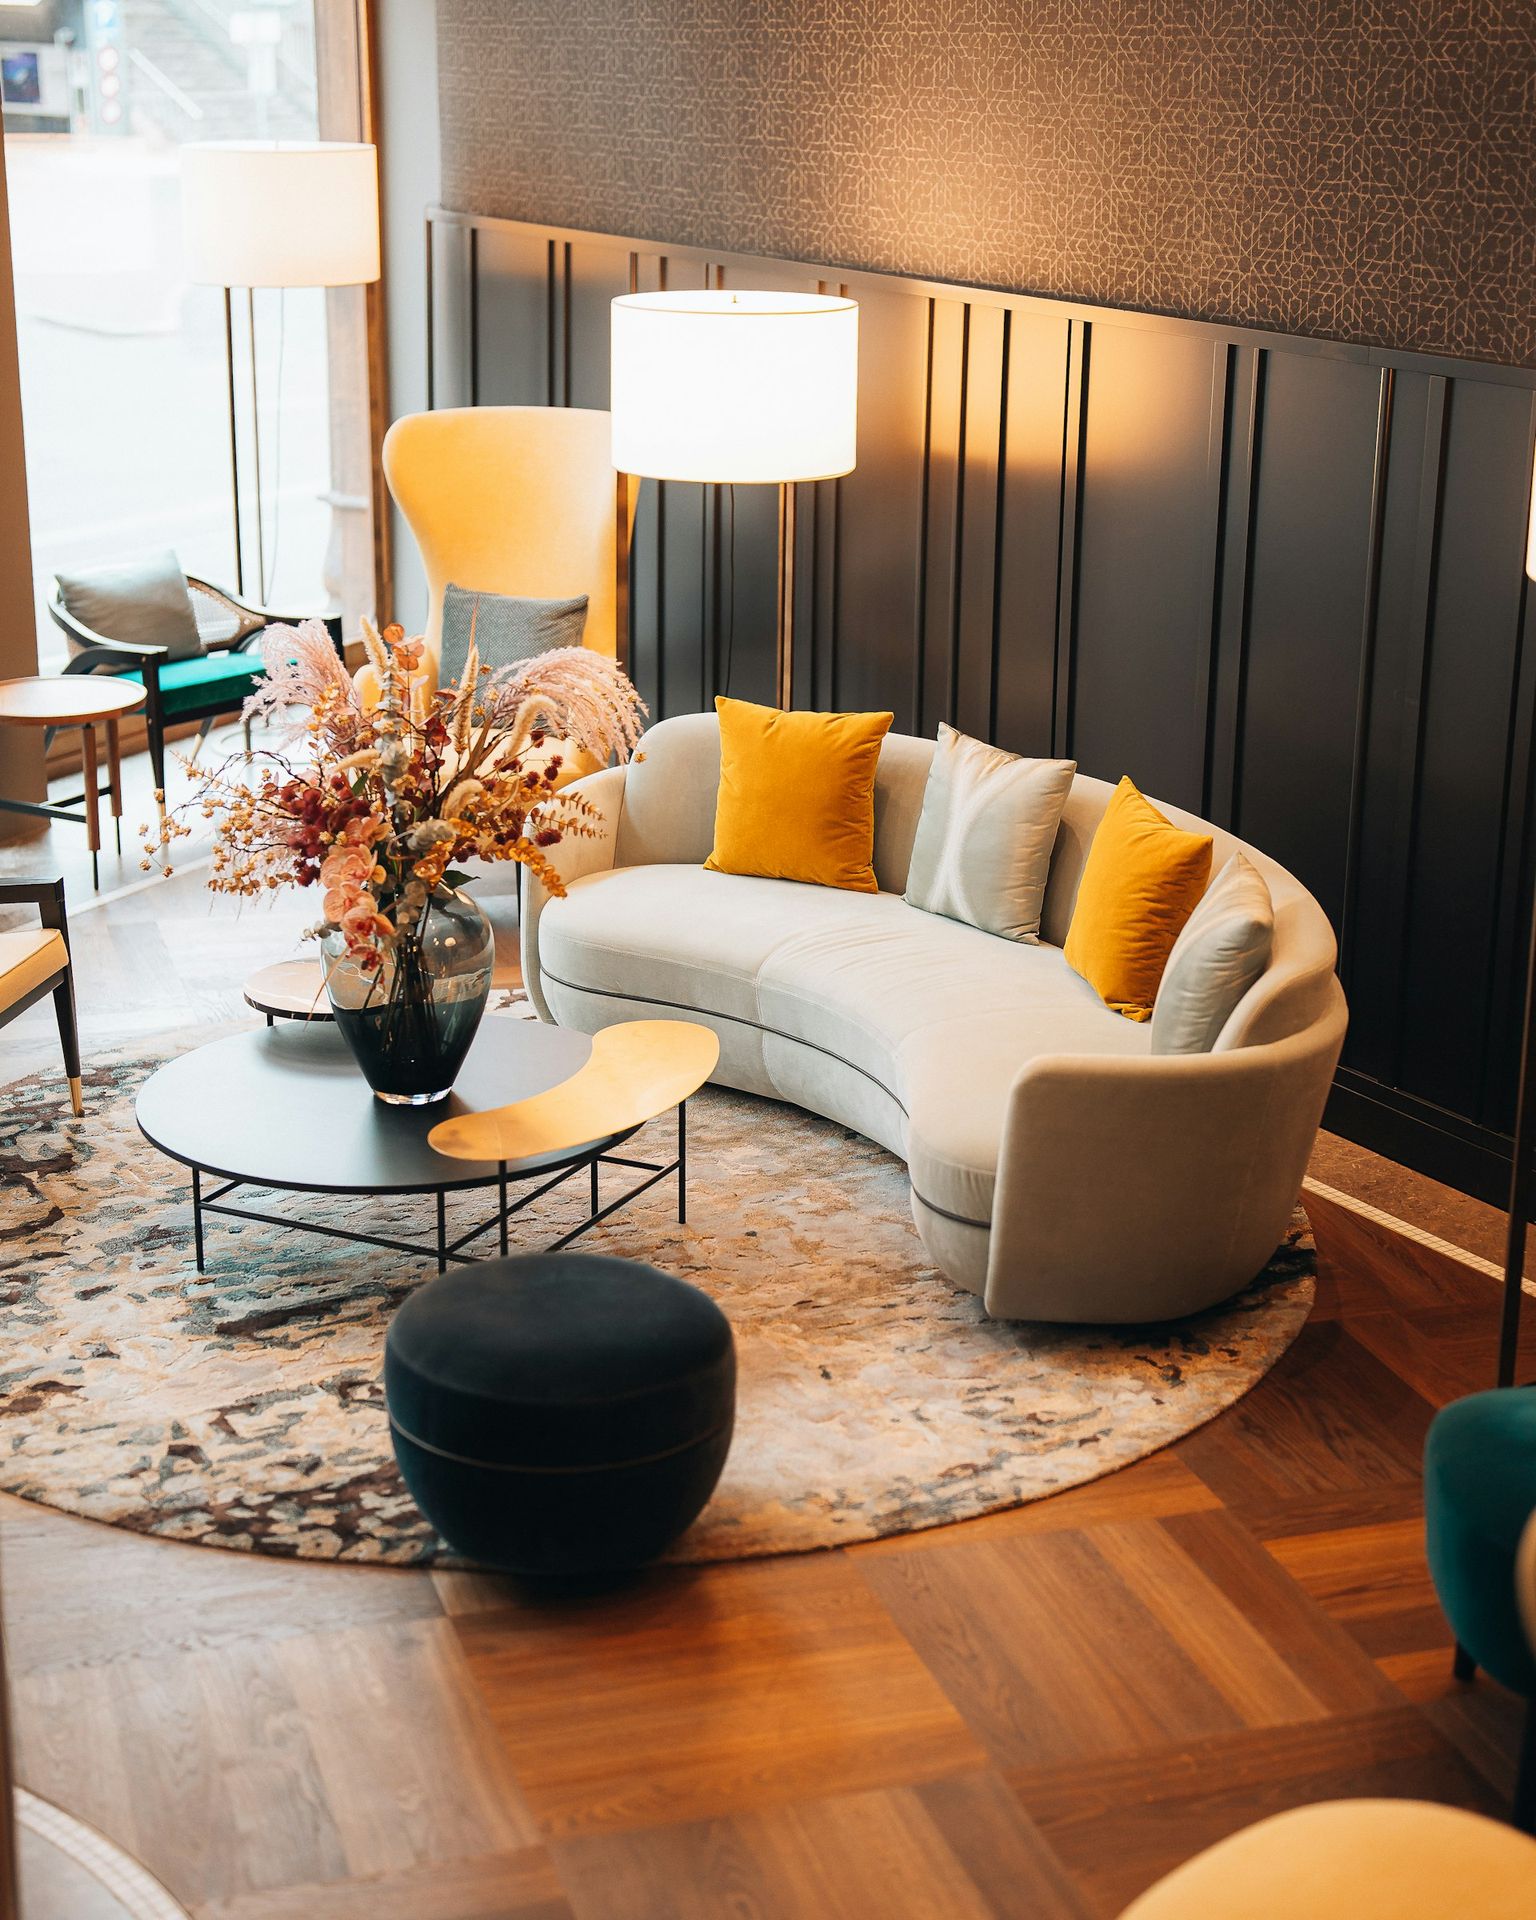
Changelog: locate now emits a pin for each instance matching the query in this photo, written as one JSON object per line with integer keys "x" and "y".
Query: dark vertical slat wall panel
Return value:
{"x": 880, "y": 519}
{"x": 449, "y": 298}
{"x": 1306, "y": 602}
{"x": 594, "y": 278}
{"x": 1029, "y": 533}
{"x": 1469, "y": 683}
{"x": 1389, "y": 744}
{"x": 970, "y": 703}
{"x": 943, "y": 506}
{"x": 1142, "y": 610}
{"x": 513, "y": 329}
{"x": 1242, "y": 422}
{"x": 1276, "y": 582}
{"x": 1506, "y": 986}
{"x": 1074, "y": 436}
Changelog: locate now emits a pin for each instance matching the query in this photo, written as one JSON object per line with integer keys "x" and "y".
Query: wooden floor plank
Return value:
{"x": 413, "y": 1770}
{"x": 713, "y": 1689}
{"x": 958, "y": 1849}
{"x": 96, "y": 1593}
{"x": 1331, "y": 1418}
{"x": 506, "y": 1886}
{"x": 1046, "y": 1651}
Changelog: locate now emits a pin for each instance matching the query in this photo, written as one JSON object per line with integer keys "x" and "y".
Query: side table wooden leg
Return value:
{"x": 115, "y": 778}
{"x": 92, "y": 797}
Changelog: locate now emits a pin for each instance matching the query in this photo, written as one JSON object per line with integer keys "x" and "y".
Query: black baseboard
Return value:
{"x": 1416, "y": 1134}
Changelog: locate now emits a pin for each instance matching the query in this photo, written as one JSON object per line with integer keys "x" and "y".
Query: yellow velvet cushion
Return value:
{"x": 1142, "y": 880}
{"x": 797, "y": 795}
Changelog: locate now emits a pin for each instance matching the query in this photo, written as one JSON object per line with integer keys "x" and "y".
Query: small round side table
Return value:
{"x": 83, "y": 701}
{"x": 289, "y": 990}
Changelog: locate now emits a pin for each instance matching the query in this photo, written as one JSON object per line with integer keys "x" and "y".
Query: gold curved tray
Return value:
{"x": 635, "y": 1071}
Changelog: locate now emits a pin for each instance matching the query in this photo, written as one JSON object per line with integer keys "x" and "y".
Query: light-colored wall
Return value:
{"x": 21, "y": 748}
{"x": 409, "y": 154}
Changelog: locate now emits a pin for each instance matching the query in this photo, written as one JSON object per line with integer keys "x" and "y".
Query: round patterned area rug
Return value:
{"x": 243, "y": 1408}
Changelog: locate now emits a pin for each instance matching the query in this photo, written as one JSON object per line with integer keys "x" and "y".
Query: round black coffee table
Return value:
{"x": 286, "y": 1108}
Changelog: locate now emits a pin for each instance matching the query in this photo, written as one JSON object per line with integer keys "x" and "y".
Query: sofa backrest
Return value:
{"x": 669, "y": 816}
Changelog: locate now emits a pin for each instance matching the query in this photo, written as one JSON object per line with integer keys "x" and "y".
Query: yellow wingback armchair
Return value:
{"x": 515, "y": 500}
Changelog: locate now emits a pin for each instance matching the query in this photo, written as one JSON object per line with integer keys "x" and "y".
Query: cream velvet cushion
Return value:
{"x": 1222, "y": 949}
{"x": 983, "y": 849}
{"x": 28, "y": 957}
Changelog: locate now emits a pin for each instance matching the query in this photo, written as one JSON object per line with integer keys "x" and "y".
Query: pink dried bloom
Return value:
{"x": 303, "y": 671}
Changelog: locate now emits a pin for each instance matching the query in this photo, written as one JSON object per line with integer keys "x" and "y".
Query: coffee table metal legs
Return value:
{"x": 443, "y": 1249}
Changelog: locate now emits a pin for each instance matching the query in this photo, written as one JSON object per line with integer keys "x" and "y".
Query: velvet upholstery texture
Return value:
{"x": 560, "y": 1413}
{"x": 1354, "y": 1860}
{"x": 983, "y": 849}
{"x": 1222, "y": 950}
{"x": 188, "y": 685}
{"x": 797, "y": 795}
{"x": 1479, "y": 1494}
{"x": 1143, "y": 879}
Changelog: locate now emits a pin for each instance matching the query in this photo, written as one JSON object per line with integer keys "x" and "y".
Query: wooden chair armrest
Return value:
{"x": 45, "y": 892}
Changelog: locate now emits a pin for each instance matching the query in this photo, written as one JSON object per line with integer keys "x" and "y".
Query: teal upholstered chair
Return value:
{"x": 1479, "y": 1498}
{"x": 197, "y": 662}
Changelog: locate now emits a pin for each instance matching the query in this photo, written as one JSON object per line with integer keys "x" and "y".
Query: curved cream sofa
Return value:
{"x": 1058, "y": 1167}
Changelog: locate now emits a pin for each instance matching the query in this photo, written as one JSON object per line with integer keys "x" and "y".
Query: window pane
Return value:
{"x": 123, "y": 364}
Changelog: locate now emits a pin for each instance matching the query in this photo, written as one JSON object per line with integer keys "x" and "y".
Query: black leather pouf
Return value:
{"x": 560, "y": 1413}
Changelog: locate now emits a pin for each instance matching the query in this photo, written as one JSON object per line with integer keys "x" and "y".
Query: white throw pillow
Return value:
{"x": 983, "y": 847}
{"x": 1222, "y": 950}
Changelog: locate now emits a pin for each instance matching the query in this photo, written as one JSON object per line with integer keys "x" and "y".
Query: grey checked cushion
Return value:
{"x": 507, "y": 629}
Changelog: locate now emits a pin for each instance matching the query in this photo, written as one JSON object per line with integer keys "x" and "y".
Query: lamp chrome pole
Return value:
{"x": 234, "y": 438}
{"x": 261, "y": 541}
{"x": 784, "y": 659}
{"x": 622, "y": 513}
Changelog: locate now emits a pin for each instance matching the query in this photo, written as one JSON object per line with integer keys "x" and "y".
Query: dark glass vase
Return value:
{"x": 410, "y": 1023}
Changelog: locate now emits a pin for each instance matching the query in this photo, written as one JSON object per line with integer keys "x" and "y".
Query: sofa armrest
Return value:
{"x": 1147, "y": 1188}
{"x": 571, "y": 859}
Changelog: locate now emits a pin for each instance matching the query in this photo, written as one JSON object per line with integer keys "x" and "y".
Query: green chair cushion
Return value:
{"x": 1479, "y": 1492}
{"x": 222, "y": 680}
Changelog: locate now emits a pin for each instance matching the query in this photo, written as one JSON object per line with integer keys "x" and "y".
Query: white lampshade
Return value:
{"x": 754, "y": 388}
{"x": 280, "y": 213}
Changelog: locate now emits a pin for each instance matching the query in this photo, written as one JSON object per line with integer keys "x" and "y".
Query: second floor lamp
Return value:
{"x": 274, "y": 213}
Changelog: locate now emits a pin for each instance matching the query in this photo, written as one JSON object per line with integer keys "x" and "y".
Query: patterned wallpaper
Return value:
{"x": 1359, "y": 169}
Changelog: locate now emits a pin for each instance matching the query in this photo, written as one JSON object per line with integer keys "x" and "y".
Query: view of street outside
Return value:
{"x": 122, "y": 361}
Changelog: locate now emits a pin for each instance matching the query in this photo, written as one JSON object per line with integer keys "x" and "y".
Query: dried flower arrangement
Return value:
{"x": 392, "y": 795}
